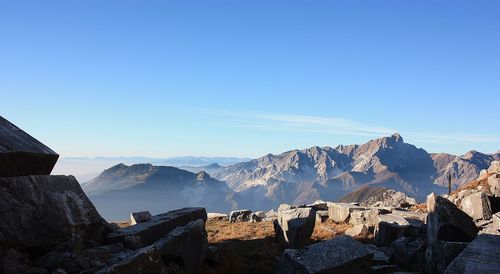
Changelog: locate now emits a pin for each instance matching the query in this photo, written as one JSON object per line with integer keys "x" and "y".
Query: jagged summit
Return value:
{"x": 397, "y": 137}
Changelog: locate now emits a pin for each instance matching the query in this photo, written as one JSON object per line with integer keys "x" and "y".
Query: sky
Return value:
{"x": 247, "y": 78}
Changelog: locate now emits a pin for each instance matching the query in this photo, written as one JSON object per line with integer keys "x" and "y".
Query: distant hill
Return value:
{"x": 361, "y": 194}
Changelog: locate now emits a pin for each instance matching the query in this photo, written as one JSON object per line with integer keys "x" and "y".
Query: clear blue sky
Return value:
{"x": 245, "y": 78}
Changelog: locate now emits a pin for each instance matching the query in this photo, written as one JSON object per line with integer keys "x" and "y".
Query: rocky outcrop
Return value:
{"x": 480, "y": 256}
{"x": 477, "y": 205}
{"x": 340, "y": 255}
{"x": 40, "y": 212}
{"x": 494, "y": 183}
{"x": 240, "y": 216}
{"x": 359, "y": 230}
{"x": 295, "y": 226}
{"x": 21, "y": 154}
{"x": 139, "y": 217}
{"x": 144, "y": 234}
{"x": 341, "y": 212}
{"x": 390, "y": 198}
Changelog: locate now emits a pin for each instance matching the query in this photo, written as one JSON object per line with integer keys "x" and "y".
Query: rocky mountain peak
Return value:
{"x": 397, "y": 137}
{"x": 202, "y": 175}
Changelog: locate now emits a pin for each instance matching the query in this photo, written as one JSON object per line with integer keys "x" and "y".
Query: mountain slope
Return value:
{"x": 121, "y": 189}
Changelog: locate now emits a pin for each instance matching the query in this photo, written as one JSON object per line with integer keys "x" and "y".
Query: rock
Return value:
{"x": 339, "y": 255}
{"x": 483, "y": 174}
{"x": 340, "y": 212}
{"x": 477, "y": 205}
{"x": 480, "y": 256}
{"x": 494, "y": 183}
{"x": 383, "y": 269}
{"x": 379, "y": 257}
{"x": 448, "y": 229}
{"x": 218, "y": 216}
{"x": 359, "y": 230}
{"x": 496, "y": 221}
{"x": 21, "y": 154}
{"x": 144, "y": 234}
{"x": 42, "y": 211}
{"x": 189, "y": 243}
{"x": 386, "y": 233}
{"x": 366, "y": 217}
{"x": 410, "y": 253}
{"x": 240, "y": 216}
{"x": 319, "y": 205}
{"x": 494, "y": 167}
{"x": 390, "y": 198}
{"x": 271, "y": 214}
{"x": 284, "y": 207}
{"x": 257, "y": 216}
{"x": 321, "y": 216}
{"x": 213, "y": 254}
{"x": 139, "y": 217}
{"x": 295, "y": 226}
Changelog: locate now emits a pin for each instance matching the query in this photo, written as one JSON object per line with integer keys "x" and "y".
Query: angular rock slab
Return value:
{"x": 43, "y": 211}
{"x": 21, "y": 154}
{"x": 144, "y": 234}
{"x": 494, "y": 183}
{"x": 295, "y": 226}
{"x": 139, "y": 217}
{"x": 359, "y": 230}
{"x": 340, "y": 212}
{"x": 240, "y": 215}
{"x": 477, "y": 205}
{"x": 339, "y": 255}
{"x": 480, "y": 256}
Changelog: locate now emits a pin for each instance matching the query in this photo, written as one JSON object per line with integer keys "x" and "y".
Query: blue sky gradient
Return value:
{"x": 247, "y": 78}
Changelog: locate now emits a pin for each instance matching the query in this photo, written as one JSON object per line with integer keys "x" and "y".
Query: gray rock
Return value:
{"x": 240, "y": 216}
{"x": 319, "y": 205}
{"x": 21, "y": 154}
{"x": 139, "y": 217}
{"x": 383, "y": 269}
{"x": 321, "y": 216}
{"x": 494, "y": 183}
{"x": 218, "y": 216}
{"x": 359, "y": 230}
{"x": 366, "y": 217}
{"x": 339, "y": 255}
{"x": 284, "y": 207}
{"x": 271, "y": 214}
{"x": 441, "y": 254}
{"x": 390, "y": 198}
{"x": 386, "y": 233}
{"x": 494, "y": 167}
{"x": 496, "y": 221}
{"x": 43, "y": 211}
{"x": 410, "y": 253}
{"x": 144, "y": 234}
{"x": 477, "y": 205}
{"x": 379, "y": 257}
{"x": 213, "y": 254}
{"x": 480, "y": 256}
{"x": 340, "y": 212}
{"x": 295, "y": 226}
{"x": 257, "y": 216}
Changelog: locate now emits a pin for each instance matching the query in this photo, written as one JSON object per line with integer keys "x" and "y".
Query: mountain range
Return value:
{"x": 302, "y": 176}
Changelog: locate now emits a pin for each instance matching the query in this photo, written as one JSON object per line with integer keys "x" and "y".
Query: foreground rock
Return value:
{"x": 139, "y": 217}
{"x": 390, "y": 198}
{"x": 340, "y": 255}
{"x": 218, "y": 216}
{"x": 40, "y": 212}
{"x": 341, "y": 212}
{"x": 21, "y": 154}
{"x": 144, "y": 234}
{"x": 359, "y": 230}
{"x": 295, "y": 226}
{"x": 240, "y": 216}
{"x": 480, "y": 256}
{"x": 477, "y": 205}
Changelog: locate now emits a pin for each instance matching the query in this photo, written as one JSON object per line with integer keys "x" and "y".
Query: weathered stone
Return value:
{"x": 21, "y": 154}
{"x": 284, "y": 207}
{"x": 496, "y": 221}
{"x": 359, "y": 230}
{"x": 494, "y": 183}
{"x": 319, "y": 205}
{"x": 139, "y": 217}
{"x": 218, "y": 216}
{"x": 257, "y": 216}
{"x": 189, "y": 243}
{"x": 213, "y": 254}
{"x": 379, "y": 256}
{"x": 410, "y": 215}
{"x": 483, "y": 174}
{"x": 321, "y": 216}
{"x": 446, "y": 225}
{"x": 480, "y": 256}
{"x": 477, "y": 205}
{"x": 271, "y": 214}
{"x": 340, "y": 212}
{"x": 366, "y": 217}
{"x": 410, "y": 253}
{"x": 144, "y": 234}
{"x": 383, "y": 269}
{"x": 390, "y": 198}
{"x": 296, "y": 226}
{"x": 240, "y": 216}
{"x": 42, "y": 211}
{"x": 386, "y": 233}
{"x": 494, "y": 167}
{"x": 339, "y": 255}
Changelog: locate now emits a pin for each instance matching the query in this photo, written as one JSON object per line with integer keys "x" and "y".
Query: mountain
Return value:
{"x": 121, "y": 190}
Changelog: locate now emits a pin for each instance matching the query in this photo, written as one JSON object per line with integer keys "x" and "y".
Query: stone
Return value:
{"x": 477, "y": 205}
{"x": 144, "y": 234}
{"x": 480, "y": 256}
{"x": 496, "y": 221}
{"x": 383, "y": 269}
{"x": 365, "y": 217}
{"x": 42, "y": 211}
{"x": 188, "y": 243}
{"x": 410, "y": 253}
{"x": 321, "y": 216}
{"x": 295, "y": 226}
{"x": 494, "y": 183}
{"x": 319, "y": 205}
{"x": 386, "y": 233}
{"x": 240, "y": 216}
{"x": 379, "y": 257}
{"x": 359, "y": 230}
{"x": 284, "y": 207}
{"x": 494, "y": 167}
{"x": 21, "y": 154}
{"x": 390, "y": 198}
{"x": 256, "y": 217}
{"x": 483, "y": 174}
{"x": 448, "y": 230}
{"x": 271, "y": 214}
{"x": 342, "y": 254}
{"x": 218, "y": 216}
{"x": 139, "y": 217}
{"x": 213, "y": 254}
{"x": 340, "y": 212}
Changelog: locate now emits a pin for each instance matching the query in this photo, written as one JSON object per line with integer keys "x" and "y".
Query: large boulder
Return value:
{"x": 365, "y": 217}
{"x": 21, "y": 154}
{"x": 341, "y": 212}
{"x": 390, "y": 198}
{"x": 359, "y": 230}
{"x": 494, "y": 183}
{"x": 477, "y": 205}
{"x": 480, "y": 256}
{"x": 139, "y": 217}
{"x": 494, "y": 167}
{"x": 240, "y": 216}
{"x": 42, "y": 211}
{"x": 218, "y": 216}
{"x": 144, "y": 234}
{"x": 295, "y": 226}
{"x": 342, "y": 254}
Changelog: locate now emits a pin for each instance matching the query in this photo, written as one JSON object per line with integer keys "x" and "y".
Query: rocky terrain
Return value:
{"x": 49, "y": 225}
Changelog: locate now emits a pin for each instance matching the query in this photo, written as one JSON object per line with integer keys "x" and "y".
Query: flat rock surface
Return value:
{"x": 480, "y": 256}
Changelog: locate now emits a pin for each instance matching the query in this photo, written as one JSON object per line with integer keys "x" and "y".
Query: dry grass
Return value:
{"x": 472, "y": 185}
{"x": 219, "y": 231}
{"x": 419, "y": 208}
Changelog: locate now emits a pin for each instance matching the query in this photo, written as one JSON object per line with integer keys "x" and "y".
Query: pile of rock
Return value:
{"x": 50, "y": 226}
